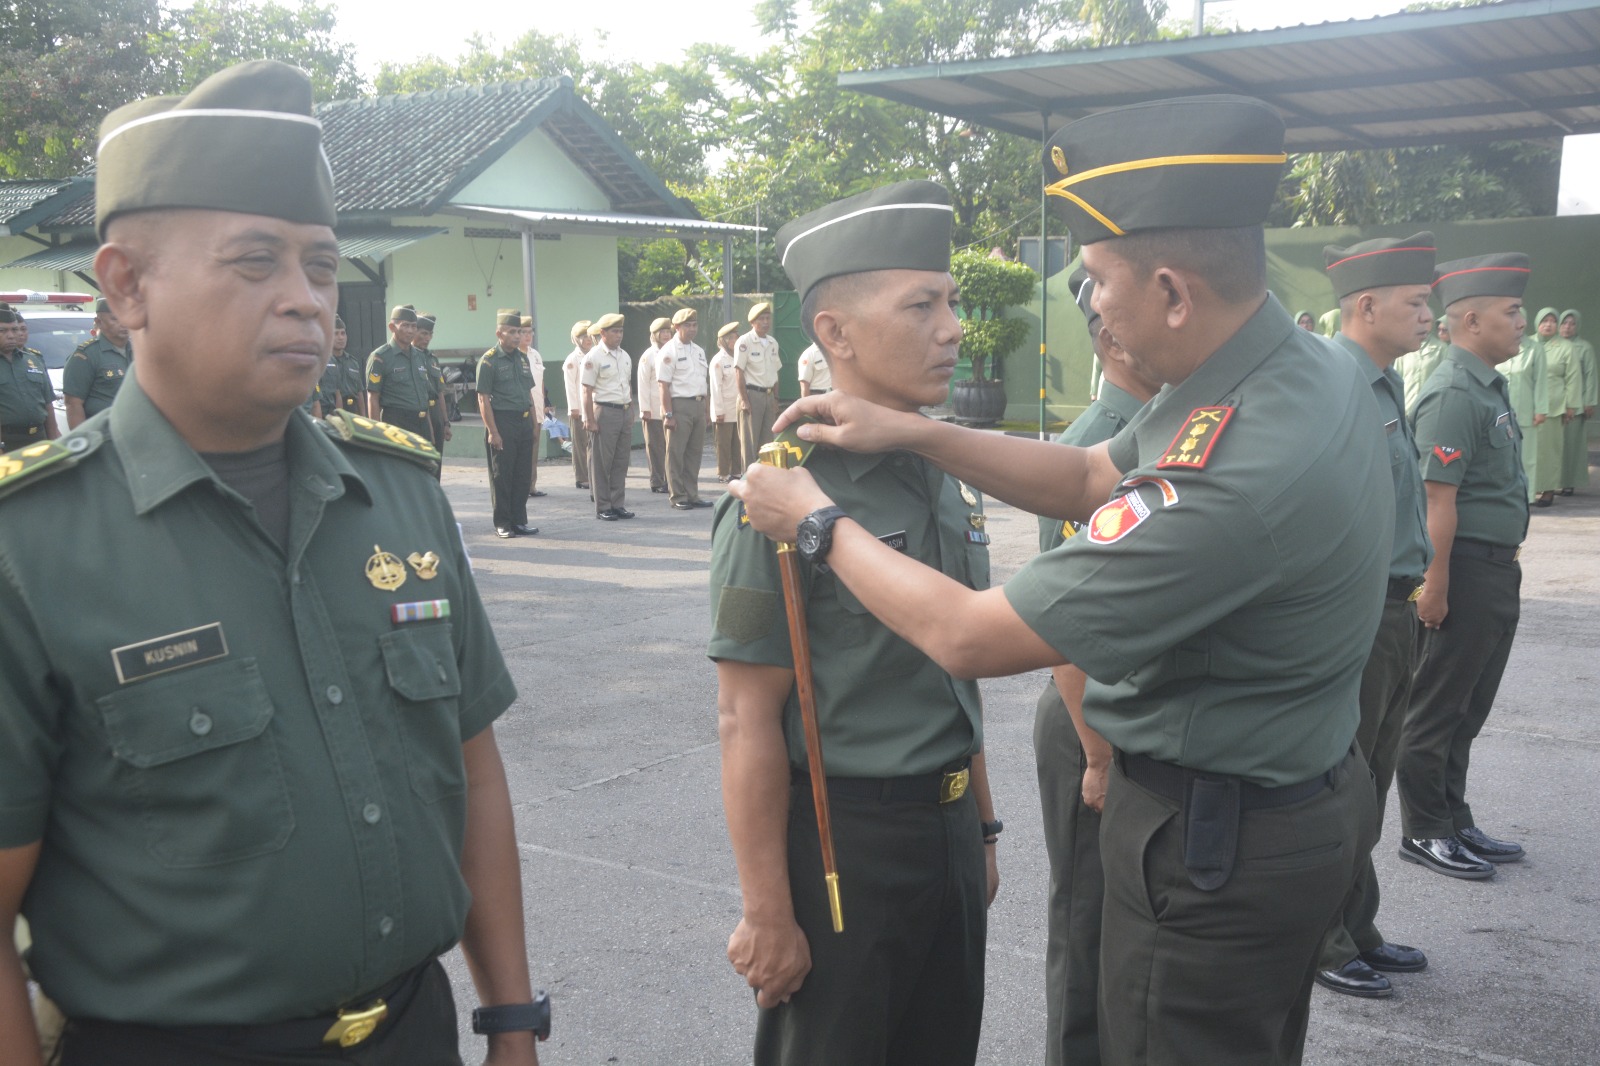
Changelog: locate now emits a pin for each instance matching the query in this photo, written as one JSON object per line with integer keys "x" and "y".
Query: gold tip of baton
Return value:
{"x": 833, "y": 901}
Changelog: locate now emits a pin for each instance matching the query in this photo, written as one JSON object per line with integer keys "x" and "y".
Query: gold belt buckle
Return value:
{"x": 355, "y": 1025}
{"x": 954, "y": 786}
{"x": 1416, "y": 594}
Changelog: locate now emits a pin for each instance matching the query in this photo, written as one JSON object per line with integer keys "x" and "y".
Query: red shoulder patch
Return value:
{"x": 1446, "y": 454}
{"x": 1117, "y": 519}
{"x": 1191, "y": 448}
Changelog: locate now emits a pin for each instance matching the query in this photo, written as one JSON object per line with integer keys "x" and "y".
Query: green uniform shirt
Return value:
{"x": 884, "y": 708}
{"x": 1469, "y": 436}
{"x": 352, "y": 374}
{"x": 1527, "y": 384}
{"x": 94, "y": 373}
{"x": 25, "y": 390}
{"x": 247, "y": 776}
{"x": 1418, "y": 366}
{"x": 400, "y": 378}
{"x": 1227, "y": 610}
{"x": 1413, "y": 551}
{"x": 506, "y": 379}
{"x": 1099, "y": 422}
{"x": 330, "y": 385}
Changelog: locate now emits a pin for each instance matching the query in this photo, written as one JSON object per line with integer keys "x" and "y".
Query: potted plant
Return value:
{"x": 988, "y": 287}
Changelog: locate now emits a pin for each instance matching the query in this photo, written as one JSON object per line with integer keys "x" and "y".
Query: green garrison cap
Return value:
{"x": 338, "y": 322}
{"x": 1381, "y": 263}
{"x": 242, "y": 140}
{"x": 426, "y": 321}
{"x": 101, "y": 307}
{"x": 1501, "y": 274}
{"x": 1200, "y": 162}
{"x": 903, "y": 226}
{"x": 403, "y": 313}
{"x": 508, "y": 316}
{"x": 1082, "y": 294}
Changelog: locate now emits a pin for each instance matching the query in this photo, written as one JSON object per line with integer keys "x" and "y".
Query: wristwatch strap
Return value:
{"x": 515, "y": 1017}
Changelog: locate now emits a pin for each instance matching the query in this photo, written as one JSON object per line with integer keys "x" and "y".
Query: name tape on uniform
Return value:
{"x": 175, "y": 651}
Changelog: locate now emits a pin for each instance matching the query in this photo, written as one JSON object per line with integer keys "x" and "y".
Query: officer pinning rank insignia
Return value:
{"x": 385, "y": 571}
{"x": 1191, "y": 448}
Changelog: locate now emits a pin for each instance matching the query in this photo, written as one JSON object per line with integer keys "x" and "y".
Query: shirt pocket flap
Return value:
{"x": 421, "y": 662}
{"x": 191, "y": 711}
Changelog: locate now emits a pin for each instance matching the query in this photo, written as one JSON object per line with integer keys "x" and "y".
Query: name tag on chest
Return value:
{"x": 175, "y": 651}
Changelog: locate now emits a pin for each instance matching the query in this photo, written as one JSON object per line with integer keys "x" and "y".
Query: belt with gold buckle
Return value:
{"x": 355, "y": 1024}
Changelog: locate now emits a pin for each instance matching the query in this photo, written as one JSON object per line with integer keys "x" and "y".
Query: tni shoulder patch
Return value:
{"x": 1191, "y": 448}
{"x": 25, "y": 465}
{"x": 348, "y": 428}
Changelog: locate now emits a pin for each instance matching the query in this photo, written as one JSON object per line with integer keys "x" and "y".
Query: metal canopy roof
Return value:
{"x": 1519, "y": 70}
{"x": 605, "y": 223}
{"x": 373, "y": 244}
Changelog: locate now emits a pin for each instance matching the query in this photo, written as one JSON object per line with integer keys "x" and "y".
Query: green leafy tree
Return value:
{"x": 988, "y": 287}
{"x": 213, "y": 34}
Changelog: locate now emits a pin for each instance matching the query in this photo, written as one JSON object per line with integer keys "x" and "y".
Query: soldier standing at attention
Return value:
{"x": 655, "y": 440}
{"x": 439, "y": 424}
{"x": 1575, "y": 454}
{"x": 352, "y": 371}
{"x": 331, "y": 384}
{"x": 912, "y": 819}
{"x": 505, "y": 388}
{"x": 756, "y": 362}
{"x": 682, "y": 373}
{"x": 27, "y": 399}
{"x": 724, "y": 382}
{"x": 277, "y": 704}
{"x": 1073, "y": 760}
{"x": 1225, "y": 598}
{"x": 95, "y": 371}
{"x": 398, "y": 383}
{"x": 571, "y": 374}
{"x": 1383, "y": 288}
{"x": 607, "y": 374}
{"x": 540, "y": 408}
{"x": 1469, "y": 440}
{"x": 812, "y": 370}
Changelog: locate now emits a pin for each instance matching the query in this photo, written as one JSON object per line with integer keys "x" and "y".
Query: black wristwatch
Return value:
{"x": 515, "y": 1017}
{"x": 991, "y": 829}
{"x": 814, "y": 535}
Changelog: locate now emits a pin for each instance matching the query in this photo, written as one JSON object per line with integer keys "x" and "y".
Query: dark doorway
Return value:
{"x": 361, "y": 307}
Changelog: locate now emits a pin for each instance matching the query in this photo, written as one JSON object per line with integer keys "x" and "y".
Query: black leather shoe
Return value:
{"x": 537, "y": 492}
{"x": 1356, "y": 978}
{"x": 583, "y": 484}
{"x": 1394, "y": 958}
{"x": 525, "y": 531}
{"x": 607, "y": 516}
{"x": 654, "y": 489}
{"x": 683, "y": 505}
{"x": 1487, "y": 847}
{"x": 1445, "y": 855}
{"x": 701, "y": 503}
{"x": 503, "y": 532}
{"x": 623, "y": 512}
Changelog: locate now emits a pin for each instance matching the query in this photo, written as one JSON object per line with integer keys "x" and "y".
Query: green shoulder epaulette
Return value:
{"x": 27, "y": 465}
{"x": 362, "y": 432}
{"x": 799, "y": 450}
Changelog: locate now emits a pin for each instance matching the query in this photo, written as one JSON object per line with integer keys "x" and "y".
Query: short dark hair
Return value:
{"x": 1233, "y": 262}
{"x": 841, "y": 290}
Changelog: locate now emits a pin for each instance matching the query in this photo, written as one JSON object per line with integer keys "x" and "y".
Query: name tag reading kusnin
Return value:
{"x": 175, "y": 651}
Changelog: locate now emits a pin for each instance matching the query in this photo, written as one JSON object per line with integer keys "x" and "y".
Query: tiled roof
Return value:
{"x": 23, "y": 203}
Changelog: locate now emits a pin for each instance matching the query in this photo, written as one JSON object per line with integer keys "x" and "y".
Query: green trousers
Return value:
{"x": 1225, "y": 976}
{"x": 1077, "y": 889}
{"x": 903, "y": 984}
{"x": 511, "y": 468}
{"x": 1575, "y": 454}
{"x": 1385, "y": 693}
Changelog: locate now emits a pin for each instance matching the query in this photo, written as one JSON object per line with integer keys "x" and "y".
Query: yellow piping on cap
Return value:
{"x": 1059, "y": 188}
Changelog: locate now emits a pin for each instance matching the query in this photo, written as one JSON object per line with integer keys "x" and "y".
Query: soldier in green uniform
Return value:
{"x": 1469, "y": 440}
{"x": 505, "y": 401}
{"x": 438, "y": 424}
{"x": 27, "y": 399}
{"x": 352, "y": 372}
{"x": 94, "y": 372}
{"x": 1073, "y": 760}
{"x": 1575, "y": 453}
{"x": 1383, "y": 288}
{"x": 331, "y": 384}
{"x": 1225, "y": 598}
{"x": 903, "y": 982}
{"x": 246, "y": 803}
{"x": 398, "y": 383}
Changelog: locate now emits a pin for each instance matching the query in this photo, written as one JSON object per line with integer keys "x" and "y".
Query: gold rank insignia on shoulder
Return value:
{"x": 426, "y": 565}
{"x": 356, "y": 429}
{"x": 1191, "y": 448}
{"x": 385, "y": 571}
{"x": 967, "y": 495}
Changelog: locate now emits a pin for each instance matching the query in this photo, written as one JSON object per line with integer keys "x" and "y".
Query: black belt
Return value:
{"x": 1172, "y": 782}
{"x": 1477, "y": 549}
{"x": 1405, "y": 588}
{"x": 758, "y": 388}
{"x": 614, "y": 406}
{"x": 941, "y": 786}
{"x": 387, "y": 411}
{"x": 508, "y": 412}
{"x": 21, "y": 431}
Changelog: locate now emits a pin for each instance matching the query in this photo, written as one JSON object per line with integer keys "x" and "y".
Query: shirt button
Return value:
{"x": 385, "y": 926}
{"x": 199, "y": 723}
{"x": 335, "y": 694}
{"x": 372, "y": 813}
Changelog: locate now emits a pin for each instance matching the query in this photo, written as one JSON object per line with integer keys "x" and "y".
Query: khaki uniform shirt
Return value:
{"x": 646, "y": 372}
{"x": 26, "y": 394}
{"x": 885, "y": 709}
{"x": 1413, "y": 551}
{"x": 1226, "y": 599}
{"x": 758, "y": 357}
{"x": 536, "y": 371}
{"x": 246, "y": 772}
{"x": 571, "y": 371}
{"x": 682, "y": 367}
{"x": 813, "y": 369}
{"x": 724, "y": 387}
{"x": 400, "y": 377}
{"x": 94, "y": 373}
{"x": 1469, "y": 436}
{"x": 505, "y": 377}
{"x": 608, "y": 371}
{"x": 1099, "y": 422}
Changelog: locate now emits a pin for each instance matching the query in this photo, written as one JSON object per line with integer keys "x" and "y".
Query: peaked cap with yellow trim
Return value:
{"x": 901, "y": 226}
{"x": 1500, "y": 274}
{"x": 243, "y": 140}
{"x": 1381, "y": 263}
{"x": 1199, "y": 162}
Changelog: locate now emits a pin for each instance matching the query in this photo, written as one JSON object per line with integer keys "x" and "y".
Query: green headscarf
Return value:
{"x": 1298, "y": 315}
{"x": 1578, "y": 315}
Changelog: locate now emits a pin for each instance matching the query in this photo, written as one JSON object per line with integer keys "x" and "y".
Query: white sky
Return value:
{"x": 641, "y": 28}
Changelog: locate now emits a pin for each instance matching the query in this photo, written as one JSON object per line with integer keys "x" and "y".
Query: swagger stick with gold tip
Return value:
{"x": 783, "y": 454}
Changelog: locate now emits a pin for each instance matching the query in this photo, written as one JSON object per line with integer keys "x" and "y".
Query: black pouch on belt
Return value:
{"x": 1210, "y": 831}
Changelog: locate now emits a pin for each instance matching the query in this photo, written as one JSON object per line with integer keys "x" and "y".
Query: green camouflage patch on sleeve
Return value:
{"x": 746, "y": 614}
